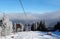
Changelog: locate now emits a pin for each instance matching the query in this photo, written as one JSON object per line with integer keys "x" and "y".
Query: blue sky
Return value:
{"x": 33, "y": 6}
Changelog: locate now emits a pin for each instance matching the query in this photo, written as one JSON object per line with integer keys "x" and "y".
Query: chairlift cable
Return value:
{"x": 23, "y": 10}
{"x": 22, "y": 6}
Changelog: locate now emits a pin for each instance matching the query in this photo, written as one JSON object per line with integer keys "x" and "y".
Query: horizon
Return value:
{"x": 1, "y": 12}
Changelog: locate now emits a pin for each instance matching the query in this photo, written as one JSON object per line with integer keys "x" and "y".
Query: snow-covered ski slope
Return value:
{"x": 30, "y": 35}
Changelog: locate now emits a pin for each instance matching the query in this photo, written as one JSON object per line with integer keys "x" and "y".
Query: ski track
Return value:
{"x": 30, "y": 35}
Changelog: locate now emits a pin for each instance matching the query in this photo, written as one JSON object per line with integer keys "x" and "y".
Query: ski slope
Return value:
{"x": 30, "y": 35}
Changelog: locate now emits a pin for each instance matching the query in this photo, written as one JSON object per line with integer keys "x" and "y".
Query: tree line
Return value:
{"x": 41, "y": 26}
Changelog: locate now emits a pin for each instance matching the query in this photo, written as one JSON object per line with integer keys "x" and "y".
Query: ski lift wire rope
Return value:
{"x": 20, "y": 1}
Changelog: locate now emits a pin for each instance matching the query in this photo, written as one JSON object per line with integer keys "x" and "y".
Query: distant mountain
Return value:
{"x": 50, "y": 18}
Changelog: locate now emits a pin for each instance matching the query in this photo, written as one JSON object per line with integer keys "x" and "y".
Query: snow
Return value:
{"x": 30, "y": 35}
{"x": 57, "y": 33}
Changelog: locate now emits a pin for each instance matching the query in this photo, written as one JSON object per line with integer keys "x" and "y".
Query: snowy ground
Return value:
{"x": 30, "y": 35}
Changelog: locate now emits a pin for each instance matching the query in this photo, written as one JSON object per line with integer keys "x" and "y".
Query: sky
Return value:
{"x": 31, "y": 6}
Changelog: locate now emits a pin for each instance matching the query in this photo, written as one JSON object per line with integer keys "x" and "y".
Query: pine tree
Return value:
{"x": 32, "y": 27}
{"x": 42, "y": 26}
{"x": 57, "y": 26}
